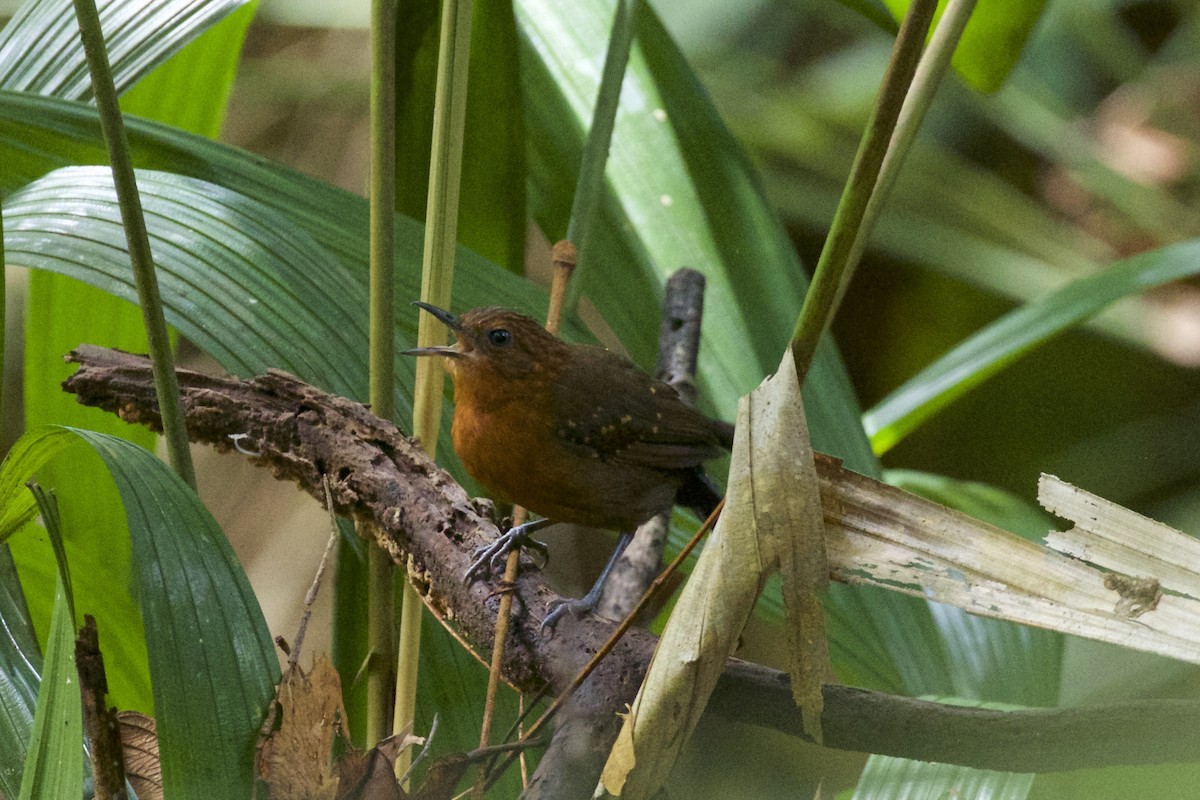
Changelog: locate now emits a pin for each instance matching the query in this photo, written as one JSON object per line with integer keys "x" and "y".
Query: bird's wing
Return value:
{"x": 633, "y": 419}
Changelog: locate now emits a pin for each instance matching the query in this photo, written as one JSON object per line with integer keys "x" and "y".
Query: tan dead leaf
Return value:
{"x": 295, "y": 760}
{"x": 764, "y": 509}
{"x": 787, "y": 508}
{"x": 139, "y": 741}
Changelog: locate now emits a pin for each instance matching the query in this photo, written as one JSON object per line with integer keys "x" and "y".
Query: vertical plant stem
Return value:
{"x": 166, "y": 387}
{"x": 589, "y": 187}
{"x": 3, "y": 317}
{"x": 834, "y": 267}
{"x": 380, "y": 575}
{"x": 437, "y": 275}
{"x": 930, "y": 71}
{"x": 511, "y": 566}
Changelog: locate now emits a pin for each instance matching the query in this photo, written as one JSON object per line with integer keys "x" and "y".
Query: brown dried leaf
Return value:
{"x": 139, "y": 740}
{"x": 296, "y": 760}
{"x": 372, "y": 774}
{"x": 443, "y": 777}
{"x": 368, "y": 776}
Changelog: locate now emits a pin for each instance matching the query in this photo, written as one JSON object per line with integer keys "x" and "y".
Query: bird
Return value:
{"x": 573, "y": 432}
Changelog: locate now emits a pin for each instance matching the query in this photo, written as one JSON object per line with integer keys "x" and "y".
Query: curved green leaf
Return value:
{"x": 190, "y": 90}
{"x": 54, "y": 761}
{"x": 211, "y": 657}
{"x": 887, "y": 778}
{"x": 40, "y": 50}
{"x": 205, "y": 239}
{"x": 1016, "y": 333}
{"x": 20, "y": 669}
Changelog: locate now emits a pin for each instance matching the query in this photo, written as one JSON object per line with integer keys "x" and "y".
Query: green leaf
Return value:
{"x": 207, "y": 242}
{"x": 994, "y": 347}
{"x": 189, "y": 91}
{"x": 54, "y": 762}
{"x": 20, "y": 668}
{"x": 681, "y": 193}
{"x": 97, "y": 541}
{"x": 348, "y": 644}
{"x": 211, "y": 659}
{"x": 1160, "y": 781}
{"x": 452, "y": 684}
{"x": 885, "y": 778}
{"x": 992, "y": 41}
{"x": 40, "y": 50}
{"x": 875, "y": 11}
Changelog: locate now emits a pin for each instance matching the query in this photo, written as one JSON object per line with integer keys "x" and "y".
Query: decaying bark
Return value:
{"x": 429, "y": 525}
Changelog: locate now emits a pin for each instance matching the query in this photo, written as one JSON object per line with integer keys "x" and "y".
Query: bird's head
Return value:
{"x": 493, "y": 344}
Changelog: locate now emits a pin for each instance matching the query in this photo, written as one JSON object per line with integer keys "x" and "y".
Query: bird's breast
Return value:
{"x": 515, "y": 450}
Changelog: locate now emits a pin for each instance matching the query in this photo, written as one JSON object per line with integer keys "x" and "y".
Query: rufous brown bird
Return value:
{"x": 572, "y": 432}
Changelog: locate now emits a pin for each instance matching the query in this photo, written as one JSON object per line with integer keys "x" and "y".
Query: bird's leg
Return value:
{"x": 492, "y": 555}
{"x": 588, "y": 602}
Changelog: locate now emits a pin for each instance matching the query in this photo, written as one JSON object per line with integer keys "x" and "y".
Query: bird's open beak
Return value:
{"x": 447, "y": 319}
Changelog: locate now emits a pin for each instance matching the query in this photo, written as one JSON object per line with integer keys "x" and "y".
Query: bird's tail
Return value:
{"x": 698, "y": 493}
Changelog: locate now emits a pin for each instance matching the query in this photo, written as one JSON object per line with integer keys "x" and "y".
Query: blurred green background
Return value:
{"x": 1087, "y": 154}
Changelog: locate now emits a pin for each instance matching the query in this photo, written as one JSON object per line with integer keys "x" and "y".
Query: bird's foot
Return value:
{"x": 582, "y": 605}
{"x": 578, "y": 607}
{"x": 491, "y": 557}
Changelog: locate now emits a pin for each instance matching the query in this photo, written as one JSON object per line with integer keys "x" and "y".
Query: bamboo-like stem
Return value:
{"x": 564, "y": 257}
{"x": 134, "y": 222}
{"x": 589, "y": 187}
{"x": 437, "y": 275}
{"x": 931, "y": 69}
{"x": 834, "y": 267}
{"x": 380, "y": 575}
{"x": 3, "y": 314}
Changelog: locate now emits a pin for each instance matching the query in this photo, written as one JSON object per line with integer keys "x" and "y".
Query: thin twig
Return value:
{"x": 310, "y": 597}
{"x": 433, "y": 726}
{"x": 563, "y": 257}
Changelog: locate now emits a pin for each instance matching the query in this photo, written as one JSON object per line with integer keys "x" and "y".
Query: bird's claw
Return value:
{"x": 491, "y": 556}
{"x": 557, "y": 608}
{"x": 582, "y": 605}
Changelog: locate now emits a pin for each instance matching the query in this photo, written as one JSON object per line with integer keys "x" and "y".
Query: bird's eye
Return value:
{"x": 499, "y": 337}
